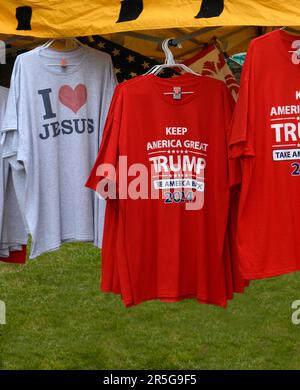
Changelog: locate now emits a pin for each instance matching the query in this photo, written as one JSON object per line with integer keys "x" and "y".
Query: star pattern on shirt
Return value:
{"x": 127, "y": 63}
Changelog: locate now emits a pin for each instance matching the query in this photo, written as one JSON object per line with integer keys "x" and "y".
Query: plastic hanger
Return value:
{"x": 49, "y": 43}
{"x": 169, "y": 61}
{"x": 291, "y": 30}
{"x": 63, "y": 62}
{"x": 295, "y": 44}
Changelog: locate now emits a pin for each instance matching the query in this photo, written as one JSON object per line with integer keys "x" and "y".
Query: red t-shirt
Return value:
{"x": 15, "y": 257}
{"x": 266, "y": 135}
{"x": 156, "y": 248}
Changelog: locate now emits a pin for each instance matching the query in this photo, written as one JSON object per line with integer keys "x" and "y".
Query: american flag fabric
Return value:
{"x": 127, "y": 63}
{"x": 211, "y": 62}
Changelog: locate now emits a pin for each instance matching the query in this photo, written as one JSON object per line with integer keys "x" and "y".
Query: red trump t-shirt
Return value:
{"x": 265, "y": 134}
{"x": 165, "y": 148}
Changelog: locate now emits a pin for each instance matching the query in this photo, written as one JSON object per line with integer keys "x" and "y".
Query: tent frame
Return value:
{"x": 137, "y": 35}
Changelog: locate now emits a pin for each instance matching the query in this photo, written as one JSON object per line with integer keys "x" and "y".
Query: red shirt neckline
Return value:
{"x": 286, "y": 38}
{"x": 185, "y": 80}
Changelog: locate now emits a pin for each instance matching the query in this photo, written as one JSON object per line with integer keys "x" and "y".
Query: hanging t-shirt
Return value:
{"x": 266, "y": 134}
{"x": 155, "y": 248}
{"x": 13, "y": 230}
{"x": 57, "y": 114}
{"x": 13, "y": 236}
{"x": 3, "y": 173}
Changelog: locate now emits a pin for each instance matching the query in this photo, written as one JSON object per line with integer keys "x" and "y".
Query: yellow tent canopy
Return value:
{"x": 58, "y": 18}
{"x": 141, "y": 25}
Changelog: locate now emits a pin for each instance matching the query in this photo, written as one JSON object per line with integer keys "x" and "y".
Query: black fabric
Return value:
{"x": 210, "y": 9}
{"x": 127, "y": 63}
{"x": 6, "y": 71}
{"x": 23, "y": 15}
{"x": 130, "y": 10}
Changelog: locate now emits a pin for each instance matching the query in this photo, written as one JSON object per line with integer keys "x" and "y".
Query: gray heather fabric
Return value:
{"x": 53, "y": 123}
{"x": 4, "y": 251}
{"x": 12, "y": 230}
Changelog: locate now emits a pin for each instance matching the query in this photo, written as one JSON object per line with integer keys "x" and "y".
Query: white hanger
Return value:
{"x": 290, "y": 30}
{"x": 295, "y": 46}
{"x": 169, "y": 61}
{"x": 51, "y": 41}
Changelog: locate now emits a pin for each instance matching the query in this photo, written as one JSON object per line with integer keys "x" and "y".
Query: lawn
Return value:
{"x": 58, "y": 319}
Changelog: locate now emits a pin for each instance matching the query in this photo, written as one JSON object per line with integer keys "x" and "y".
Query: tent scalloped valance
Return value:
{"x": 56, "y": 18}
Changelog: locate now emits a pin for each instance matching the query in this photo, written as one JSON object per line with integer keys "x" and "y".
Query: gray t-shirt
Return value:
{"x": 4, "y": 251}
{"x": 12, "y": 229}
{"x": 53, "y": 124}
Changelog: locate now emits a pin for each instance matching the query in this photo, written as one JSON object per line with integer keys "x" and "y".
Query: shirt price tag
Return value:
{"x": 296, "y": 52}
{"x": 177, "y": 93}
{"x": 63, "y": 63}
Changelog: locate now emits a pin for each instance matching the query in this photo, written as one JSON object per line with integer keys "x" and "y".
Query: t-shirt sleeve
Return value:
{"x": 110, "y": 83}
{"x": 14, "y": 142}
{"x": 10, "y": 120}
{"x": 106, "y": 164}
{"x": 234, "y": 167}
{"x": 9, "y": 125}
{"x": 241, "y": 132}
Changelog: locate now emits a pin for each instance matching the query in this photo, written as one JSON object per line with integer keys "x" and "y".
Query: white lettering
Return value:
{"x": 289, "y": 132}
{"x": 178, "y": 163}
{"x": 285, "y": 110}
{"x": 277, "y": 127}
{"x": 176, "y": 130}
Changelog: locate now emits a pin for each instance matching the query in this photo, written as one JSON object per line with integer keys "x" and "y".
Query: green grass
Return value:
{"x": 58, "y": 319}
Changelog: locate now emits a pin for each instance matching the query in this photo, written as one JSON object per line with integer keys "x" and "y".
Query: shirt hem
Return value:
{"x": 57, "y": 246}
{"x": 201, "y": 300}
{"x": 270, "y": 274}
{"x": 169, "y": 298}
{"x": 9, "y": 128}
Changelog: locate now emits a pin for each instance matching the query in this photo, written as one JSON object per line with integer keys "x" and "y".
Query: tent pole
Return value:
{"x": 13, "y": 50}
{"x": 193, "y": 40}
{"x": 231, "y": 33}
{"x": 10, "y": 40}
{"x": 187, "y": 37}
{"x": 144, "y": 37}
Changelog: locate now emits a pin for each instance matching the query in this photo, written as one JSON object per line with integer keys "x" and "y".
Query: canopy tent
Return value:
{"x": 232, "y": 39}
{"x": 141, "y": 25}
{"x": 56, "y": 18}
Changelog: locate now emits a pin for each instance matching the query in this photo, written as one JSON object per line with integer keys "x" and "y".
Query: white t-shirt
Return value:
{"x": 53, "y": 125}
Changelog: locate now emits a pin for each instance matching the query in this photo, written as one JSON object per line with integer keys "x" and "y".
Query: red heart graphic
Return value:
{"x": 73, "y": 98}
